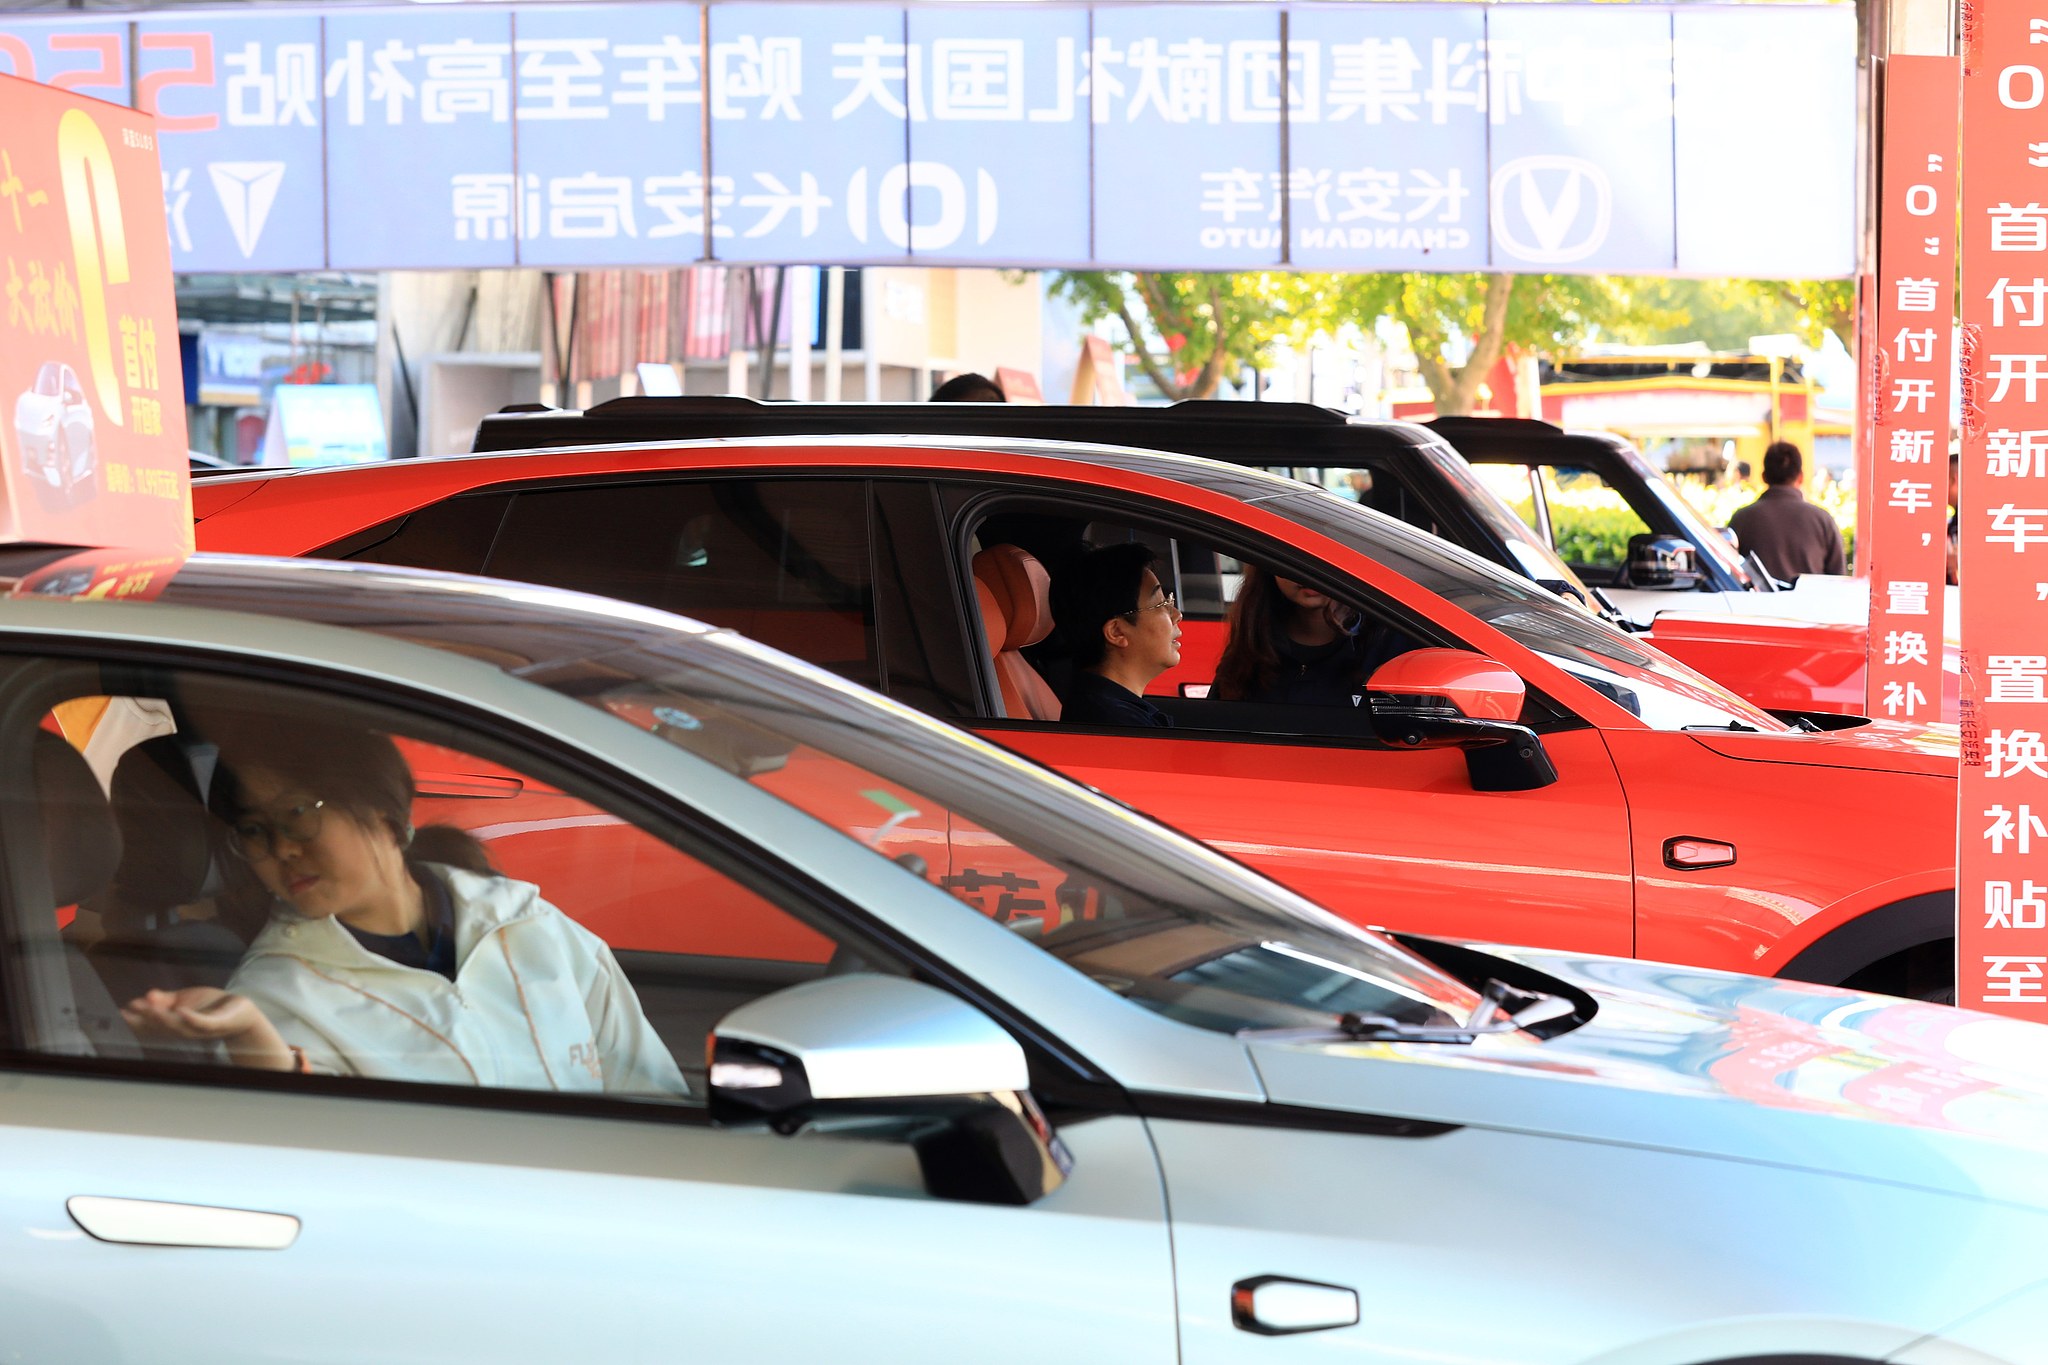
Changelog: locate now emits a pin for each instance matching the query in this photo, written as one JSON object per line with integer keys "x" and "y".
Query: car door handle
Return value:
{"x": 148, "y": 1222}
{"x": 1277, "y": 1306}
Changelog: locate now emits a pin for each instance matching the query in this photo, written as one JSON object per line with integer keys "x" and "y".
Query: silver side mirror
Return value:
{"x": 895, "y": 1059}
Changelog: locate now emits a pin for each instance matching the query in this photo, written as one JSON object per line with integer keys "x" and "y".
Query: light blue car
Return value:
{"x": 1128, "y": 1102}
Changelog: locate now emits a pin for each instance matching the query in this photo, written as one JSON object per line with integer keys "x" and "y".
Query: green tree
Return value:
{"x": 1459, "y": 326}
{"x": 1207, "y": 326}
{"x": 1725, "y": 314}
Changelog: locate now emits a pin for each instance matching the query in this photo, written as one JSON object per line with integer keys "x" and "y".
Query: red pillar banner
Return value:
{"x": 2002, "y": 852}
{"x": 92, "y": 398}
{"x": 1905, "y": 541}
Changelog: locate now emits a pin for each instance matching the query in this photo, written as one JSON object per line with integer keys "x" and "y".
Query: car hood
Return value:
{"x": 1933, "y": 749}
{"x": 1720, "y": 1065}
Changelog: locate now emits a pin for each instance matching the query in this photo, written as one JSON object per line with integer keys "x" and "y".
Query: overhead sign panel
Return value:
{"x": 420, "y": 167}
{"x": 1213, "y": 136}
{"x": 608, "y": 109}
{"x": 810, "y": 133}
{"x": 1186, "y": 103}
{"x": 92, "y": 414}
{"x": 1389, "y": 139}
{"x": 1765, "y": 131}
{"x": 1004, "y": 112}
{"x": 237, "y": 102}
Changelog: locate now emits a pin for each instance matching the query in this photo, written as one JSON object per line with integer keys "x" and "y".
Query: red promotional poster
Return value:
{"x": 92, "y": 412}
{"x": 1905, "y": 541}
{"x": 2002, "y": 530}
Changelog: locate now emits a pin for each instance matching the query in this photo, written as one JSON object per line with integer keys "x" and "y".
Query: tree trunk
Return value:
{"x": 1454, "y": 391}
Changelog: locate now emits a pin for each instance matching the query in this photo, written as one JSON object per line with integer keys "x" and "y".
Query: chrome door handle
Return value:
{"x": 147, "y": 1222}
{"x": 1276, "y": 1306}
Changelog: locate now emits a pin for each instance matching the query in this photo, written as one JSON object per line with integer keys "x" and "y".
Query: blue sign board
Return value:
{"x": 1367, "y": 136}
{"x": 237, "y": 102}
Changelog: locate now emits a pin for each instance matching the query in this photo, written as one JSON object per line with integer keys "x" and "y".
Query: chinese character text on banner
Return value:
{"x": 89, "y": 373}
{"x": 1905, "y": 542}
{"x": 2002, "y": 854}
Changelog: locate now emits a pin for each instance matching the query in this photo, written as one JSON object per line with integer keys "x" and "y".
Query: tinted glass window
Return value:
{"x": 454, "y": 536}
{"x": 784, "y": 562}
{"x": 378, "y": 895}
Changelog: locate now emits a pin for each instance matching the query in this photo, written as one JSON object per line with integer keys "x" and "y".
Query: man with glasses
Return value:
{"x": 1123, "y": 629}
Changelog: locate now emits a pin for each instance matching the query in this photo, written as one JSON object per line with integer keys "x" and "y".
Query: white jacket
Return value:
{"x": 537, "y": 1002}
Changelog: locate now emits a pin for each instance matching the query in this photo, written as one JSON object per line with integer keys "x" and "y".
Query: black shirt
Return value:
{"x": 435, "y": 955}
{"x": 1094, "y": 700}
{"x": 1329, "y": 674}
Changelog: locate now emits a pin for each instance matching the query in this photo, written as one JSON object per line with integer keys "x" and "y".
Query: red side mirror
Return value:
{"x": 1451, "y": 682}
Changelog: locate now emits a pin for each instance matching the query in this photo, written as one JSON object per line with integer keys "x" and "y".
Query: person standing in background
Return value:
{"x": 1789, "y": 534}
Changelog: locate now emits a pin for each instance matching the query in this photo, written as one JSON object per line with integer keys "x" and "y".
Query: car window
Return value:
{"x": 454, "y": 535}
{"x": 787, "y": 562}
{"x": 1161, "y": 922}
{"x": 1283, "y": 687}
{"x": 220, "y": 852}
{"x": 1590, "y": 521}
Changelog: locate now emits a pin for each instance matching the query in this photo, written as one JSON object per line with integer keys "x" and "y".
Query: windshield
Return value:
{"x": 1664, "y": 692}
{"x": 1694, "y": 526}
{"x": 1537, "y": 559}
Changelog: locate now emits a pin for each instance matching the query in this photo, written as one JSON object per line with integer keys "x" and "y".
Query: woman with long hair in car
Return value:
{"x": 1292, "y": 644}
{"x": 397, "y": 953}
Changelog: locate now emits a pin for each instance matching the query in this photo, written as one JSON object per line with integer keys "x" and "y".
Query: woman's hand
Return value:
{"x": 207, "y": 1015}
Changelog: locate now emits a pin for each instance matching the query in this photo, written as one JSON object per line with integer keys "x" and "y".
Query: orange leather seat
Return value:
{"x": 1015, "y": 593}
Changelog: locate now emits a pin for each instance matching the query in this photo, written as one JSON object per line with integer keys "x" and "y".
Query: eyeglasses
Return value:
{"x": 255, "y": 839}
{"x": 1165, "y": 600}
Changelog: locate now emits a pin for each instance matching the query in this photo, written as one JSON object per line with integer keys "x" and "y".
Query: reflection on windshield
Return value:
{"x": 1667, "y": 694}
{"x": 1163, "y": 922}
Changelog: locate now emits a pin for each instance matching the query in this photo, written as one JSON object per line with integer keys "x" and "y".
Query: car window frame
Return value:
{"x": 1065, "y": 1082}
{"x": 968, "y": 504}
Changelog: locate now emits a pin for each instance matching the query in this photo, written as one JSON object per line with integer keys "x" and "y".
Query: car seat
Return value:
{"x": 1014, "y": 592}
{"x": 169, "y": 861}
{"x": 81, "y": 846}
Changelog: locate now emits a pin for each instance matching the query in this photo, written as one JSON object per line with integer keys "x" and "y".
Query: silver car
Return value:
{"x": 977, "y": 1065}
{"x": 53, "y": 424}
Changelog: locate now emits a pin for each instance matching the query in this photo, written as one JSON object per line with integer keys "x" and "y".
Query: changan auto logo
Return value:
{"x": 1550, "y": 210}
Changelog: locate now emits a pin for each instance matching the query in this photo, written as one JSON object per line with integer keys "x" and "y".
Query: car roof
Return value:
{"x": 1237, "y": 432}
{"x": 510, "y": 467}
{"x": 542, "y": 625}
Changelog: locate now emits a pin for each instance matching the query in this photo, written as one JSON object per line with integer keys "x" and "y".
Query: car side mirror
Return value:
{"x": 894, "y": 1059}
{"x": 1460, "y": 699}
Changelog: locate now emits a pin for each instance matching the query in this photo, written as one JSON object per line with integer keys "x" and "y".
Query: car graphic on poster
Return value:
{"x": 53, "y": 422}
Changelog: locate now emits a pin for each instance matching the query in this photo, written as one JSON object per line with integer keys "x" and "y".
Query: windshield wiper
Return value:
{"x": 1731, "y": 725}
{"x": 1502, "y": 1009}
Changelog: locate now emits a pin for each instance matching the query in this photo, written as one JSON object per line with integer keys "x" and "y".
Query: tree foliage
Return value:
{"x": 1725, "y": 314}
{"x": 1192, "y": 330}
{"x": 1209, "y": 326}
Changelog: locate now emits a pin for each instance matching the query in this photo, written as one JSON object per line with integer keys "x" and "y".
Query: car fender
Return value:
{"x": 1866, "y": 928}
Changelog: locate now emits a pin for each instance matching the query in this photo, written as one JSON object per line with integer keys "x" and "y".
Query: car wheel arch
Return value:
{"x": 1875, "y": 936}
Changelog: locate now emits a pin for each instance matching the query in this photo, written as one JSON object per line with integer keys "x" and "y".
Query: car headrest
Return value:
{"x": 81, "y": 842}
{"x": 168, "y": 846}
{"x": 1021, "y": 592}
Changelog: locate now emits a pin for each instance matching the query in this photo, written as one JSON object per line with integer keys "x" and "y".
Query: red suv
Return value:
{"x": 1593, "y": 794}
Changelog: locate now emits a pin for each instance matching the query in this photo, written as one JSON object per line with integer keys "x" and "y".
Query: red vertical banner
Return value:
{"x": 1905, "y": 541}
{"x": 2002, "y": 845}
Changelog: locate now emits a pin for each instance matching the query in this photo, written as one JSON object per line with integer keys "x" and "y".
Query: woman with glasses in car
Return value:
{"x": 1122, "y": 629}
{"x": 397, "y": 953}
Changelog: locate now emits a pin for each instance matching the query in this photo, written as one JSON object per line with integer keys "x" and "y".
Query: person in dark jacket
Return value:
{"x": 1122, "y": 628}
{"x": 1291, "y": 644}
{"x": 1789, "y": 534}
